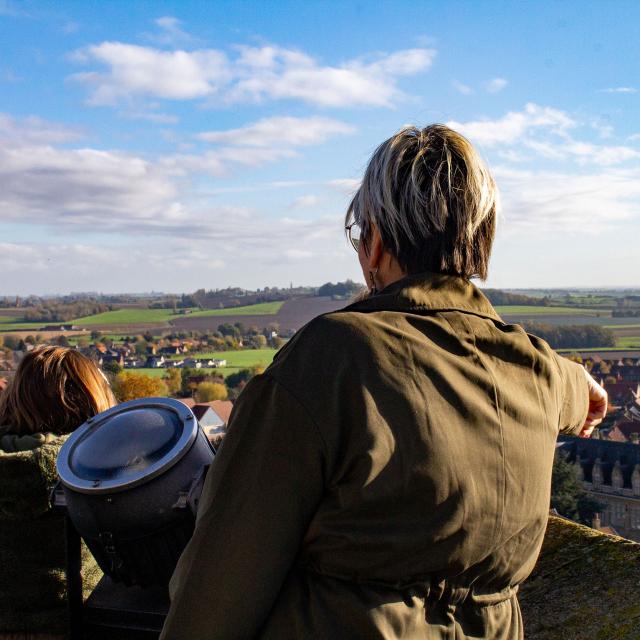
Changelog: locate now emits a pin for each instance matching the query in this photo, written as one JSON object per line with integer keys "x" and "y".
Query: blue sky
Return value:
{"x": 179, "y": 145}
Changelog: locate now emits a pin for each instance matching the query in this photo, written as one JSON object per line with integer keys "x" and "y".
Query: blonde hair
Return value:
{"x": 433, "y": 201}
{"x": 54, "y": 389}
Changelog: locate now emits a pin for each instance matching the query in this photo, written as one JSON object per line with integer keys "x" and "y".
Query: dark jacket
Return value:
{"x": 32, "y": 547}
{"x": 388, "y": 476}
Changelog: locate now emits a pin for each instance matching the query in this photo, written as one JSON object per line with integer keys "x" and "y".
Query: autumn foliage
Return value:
{"x": 129, "y": 386}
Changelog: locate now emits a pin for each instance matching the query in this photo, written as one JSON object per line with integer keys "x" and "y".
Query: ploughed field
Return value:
{"x": 291, "y": 316}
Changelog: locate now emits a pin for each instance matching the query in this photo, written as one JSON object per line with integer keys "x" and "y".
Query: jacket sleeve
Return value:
{"x": 259, "y": 497}
{"x": 574, "y": 396}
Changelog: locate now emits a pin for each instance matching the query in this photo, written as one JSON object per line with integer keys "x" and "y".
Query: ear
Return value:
{"x": 376, "y": 249}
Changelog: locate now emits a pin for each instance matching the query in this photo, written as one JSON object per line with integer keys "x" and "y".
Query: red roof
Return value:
{"x": 221, "y": 407}
{"x": 628, "y": 427}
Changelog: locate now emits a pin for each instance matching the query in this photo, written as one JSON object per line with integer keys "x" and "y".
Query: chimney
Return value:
{"x": 596, "y": 524}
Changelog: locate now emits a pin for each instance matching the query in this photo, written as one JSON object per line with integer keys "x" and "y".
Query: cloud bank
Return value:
{"x": 243, "y": 75}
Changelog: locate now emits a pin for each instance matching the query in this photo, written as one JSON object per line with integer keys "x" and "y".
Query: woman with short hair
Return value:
{"x": 388, "y": 476}
{"x": 53, "y": 391}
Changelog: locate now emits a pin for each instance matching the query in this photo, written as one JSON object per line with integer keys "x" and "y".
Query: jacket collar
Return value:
{"x": 429, "y": 292}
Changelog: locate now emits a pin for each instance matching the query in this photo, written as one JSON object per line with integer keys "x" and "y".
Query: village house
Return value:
{"x": 610, "y": 473}
{"x": 212, "y": 416}
{"x": 155, "y": 362}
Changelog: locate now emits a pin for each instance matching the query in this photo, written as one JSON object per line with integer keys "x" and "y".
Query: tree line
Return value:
{"x": 63, "y": 312}
{"x": 572, "y": 336}
{"x": 498, "y": 297}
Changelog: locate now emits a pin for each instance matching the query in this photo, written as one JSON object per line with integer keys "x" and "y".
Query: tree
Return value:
{"x": 185, "y": 374}
{"x": 173, "y": 380}
{"x": 141, "y": 347}
{"x": 260, "y": 341}
{"x": 129, "y": 386}
{"x": 568, "y": 497}
{"x": 62, "y": 341}
{"x": 243, "y": 376}
{"x": 208, "y": 391}
{"x": 112, "y": 368}
{"x": 11, "y": 342}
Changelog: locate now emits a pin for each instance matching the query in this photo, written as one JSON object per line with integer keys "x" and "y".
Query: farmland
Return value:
{"x": 292, "y": 314}
{"x": 236, "y": 360}
{"x": 147, "y": 317}
{"x": 550, "y": 311}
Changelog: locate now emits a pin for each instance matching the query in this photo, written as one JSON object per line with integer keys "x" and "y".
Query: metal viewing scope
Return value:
{"x": 131, "y": 478}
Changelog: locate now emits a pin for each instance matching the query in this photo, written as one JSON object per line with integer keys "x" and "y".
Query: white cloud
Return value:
{"x": 220, "y": 162}
{"x": 144, "y": 71}
{"x": 33, "y": 130}
{"x": 514, "y": 125}
{"x": 277, "y": 73}
{"x": 565, "y": 202}
{"x": 464, "y": 89}
{"x": 545, "y": 131}
{"x": 74, "y": 191}
{"x": 305, "y": 202}
{"x": 620, "y": 90}
{"x": 84, "y": 189}
{"x": 280, "y": 130}
{"x": 495, "y": 85}
{"x": 604, "y": 129}
{"x": 151, "y": 116}
{"x": 346, "y": 186}
{"x": 254, "y": 74}
{"x": 171, "y": 32}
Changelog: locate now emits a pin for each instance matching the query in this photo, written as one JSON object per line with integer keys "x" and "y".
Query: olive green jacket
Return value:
{"x": 32, "y": 545}
{"x": 388, "y": 476}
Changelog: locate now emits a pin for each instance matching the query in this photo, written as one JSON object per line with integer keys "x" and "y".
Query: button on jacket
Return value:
{"x": 388, "y": 476}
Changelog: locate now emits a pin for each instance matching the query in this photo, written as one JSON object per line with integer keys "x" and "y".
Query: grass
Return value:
{"x": 21, "y": 326}
{"x": 236, "y": 360}
{"x": 524, "y": 310}
{"x": 628, "y": 342}
{"x": 243, "y": 358}
{"x": 622, "y": 326}
{"x": 260, "y": 309}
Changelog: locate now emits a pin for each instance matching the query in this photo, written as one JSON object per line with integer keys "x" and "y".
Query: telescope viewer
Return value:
{"x": 389, "y": 474}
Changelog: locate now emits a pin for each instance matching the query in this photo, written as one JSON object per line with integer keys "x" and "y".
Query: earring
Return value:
{"x": 372, "y": 276}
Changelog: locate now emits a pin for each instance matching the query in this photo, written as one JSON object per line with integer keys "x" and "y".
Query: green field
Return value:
{"x": 628, "y": 342}
{"x": 242, "y": 358}
{"x": 260, "y": 309}
{"x": 8, "y": 323}
{"x": 622, "y": 326}
{"x": 236, "y": 360}
{"x": 522, "y": 310}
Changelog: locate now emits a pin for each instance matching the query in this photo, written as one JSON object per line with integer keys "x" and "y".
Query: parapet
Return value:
{"x": 585, "y": 586}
